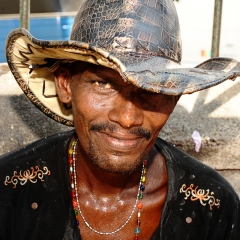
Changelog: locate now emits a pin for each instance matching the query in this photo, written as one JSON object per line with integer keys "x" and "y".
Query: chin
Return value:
{"x": 113, "y": 161}
{"x": 117, "y": 164}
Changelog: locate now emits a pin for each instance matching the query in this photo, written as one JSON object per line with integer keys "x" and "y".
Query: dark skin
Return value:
{"x": 117, "y": 125}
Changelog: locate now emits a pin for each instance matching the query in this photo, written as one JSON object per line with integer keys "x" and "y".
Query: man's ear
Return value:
{"x": 62, "y": 82}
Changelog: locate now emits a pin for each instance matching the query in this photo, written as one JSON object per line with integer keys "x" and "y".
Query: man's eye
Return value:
{"x": 103, "y": 85}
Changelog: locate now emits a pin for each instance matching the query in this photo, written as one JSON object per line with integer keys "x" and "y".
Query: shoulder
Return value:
{"x": 198, "y": 195}
{"x": 35, "y": 148}
{"x": 186, "y": 166}
{"x": 22, "y": 165}
{"x": 33, "y": 180}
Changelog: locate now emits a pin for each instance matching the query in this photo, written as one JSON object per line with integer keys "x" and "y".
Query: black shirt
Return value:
{"x": 35, "y": 201}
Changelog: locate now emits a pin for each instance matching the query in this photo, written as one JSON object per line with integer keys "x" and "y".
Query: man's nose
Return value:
{"x": 126, "y": 112}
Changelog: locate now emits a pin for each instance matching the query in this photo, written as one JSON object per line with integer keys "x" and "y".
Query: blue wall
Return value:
{"x": 55, "y": 28}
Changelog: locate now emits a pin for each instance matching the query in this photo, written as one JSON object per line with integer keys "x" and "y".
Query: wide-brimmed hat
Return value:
{"x": 139, "y": 39}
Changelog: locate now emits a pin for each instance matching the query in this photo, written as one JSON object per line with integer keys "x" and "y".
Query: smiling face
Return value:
{"x": 116, "y": 122}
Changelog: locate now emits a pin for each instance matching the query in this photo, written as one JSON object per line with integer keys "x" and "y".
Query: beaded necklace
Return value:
{"x": 76, "y": 204}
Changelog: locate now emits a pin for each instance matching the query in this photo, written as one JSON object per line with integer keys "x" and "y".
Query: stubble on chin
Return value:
{"x": 109, "y": 162}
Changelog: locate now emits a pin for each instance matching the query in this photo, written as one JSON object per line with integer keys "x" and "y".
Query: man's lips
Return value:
{"x": 120, "y": 142}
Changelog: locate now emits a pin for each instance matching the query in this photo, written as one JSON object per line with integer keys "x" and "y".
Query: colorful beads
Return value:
{"x": 142, "y": 187}
{"x": 138, "y": 223}
{"x": 71, "y": 171}
{"x": 139, "y": 205}
{"x": 137, "y": 230}
{"x": 140, "y": 197}
{"x": 74, "y": 194}
{"x": 74, "y": 203}
{"x": 145, "y": 163}
{"x": 75, "y": 212}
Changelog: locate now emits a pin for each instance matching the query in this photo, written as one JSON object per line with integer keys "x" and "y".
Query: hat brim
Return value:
{"x": 152, "y": 73}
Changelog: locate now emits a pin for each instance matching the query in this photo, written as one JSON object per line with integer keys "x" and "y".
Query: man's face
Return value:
{"x": 116, "y": 122}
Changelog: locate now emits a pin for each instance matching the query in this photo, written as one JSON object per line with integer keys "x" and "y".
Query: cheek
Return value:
{"x": 157, "y": 120}
{"x": 159, "y": 115}
{"x": 87, "y": 106}
{"x": 87, "y": 109}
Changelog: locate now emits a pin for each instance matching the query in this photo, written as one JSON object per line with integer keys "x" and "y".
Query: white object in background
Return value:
{"x": 197, "y": 139}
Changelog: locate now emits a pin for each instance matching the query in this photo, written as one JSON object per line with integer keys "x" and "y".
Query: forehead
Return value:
{"x": 97, "y": 71}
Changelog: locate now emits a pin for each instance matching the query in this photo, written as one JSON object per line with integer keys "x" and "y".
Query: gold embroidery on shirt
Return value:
{"x": 204, "y": 196}
{"x": 28, "y": 175}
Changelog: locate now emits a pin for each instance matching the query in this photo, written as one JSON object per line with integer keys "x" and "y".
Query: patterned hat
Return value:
{"x": 140, "y": 39}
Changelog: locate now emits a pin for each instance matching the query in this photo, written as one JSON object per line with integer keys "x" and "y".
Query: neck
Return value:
{"x": 103, "y": 182}
{"x": 115, "y": 196}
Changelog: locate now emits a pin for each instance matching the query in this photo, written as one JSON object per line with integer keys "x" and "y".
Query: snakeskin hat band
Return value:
{"x": 138, "y": 38}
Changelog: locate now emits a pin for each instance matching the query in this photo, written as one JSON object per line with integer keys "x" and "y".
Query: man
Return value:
{"x": 116, "y": 81}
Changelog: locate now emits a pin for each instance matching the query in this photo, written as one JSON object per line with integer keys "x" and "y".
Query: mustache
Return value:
{"x": 139, "y": 131}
